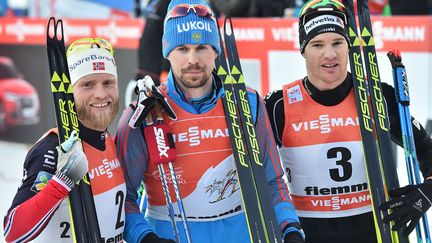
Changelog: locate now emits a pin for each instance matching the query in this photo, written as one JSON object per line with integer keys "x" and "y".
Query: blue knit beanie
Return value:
{"x": 189, "y": 29}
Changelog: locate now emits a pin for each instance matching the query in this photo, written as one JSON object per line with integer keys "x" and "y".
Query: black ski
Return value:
{"x": 257, "y": 202}
{"x": 373, "y": 163}
{"x": 379, "y": 108}
{"x": 84, "y": 221}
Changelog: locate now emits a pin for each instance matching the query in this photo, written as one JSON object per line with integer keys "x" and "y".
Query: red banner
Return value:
{"x": 257, "y": 38}
{"x": 123, "y": 33}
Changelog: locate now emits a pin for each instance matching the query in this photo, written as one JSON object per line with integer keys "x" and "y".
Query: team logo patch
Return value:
{"x": 294, "y": 94}
{"x": 98, "y": 66}
{"x": 196, "y": 36}
{"x": 42, "y": 179}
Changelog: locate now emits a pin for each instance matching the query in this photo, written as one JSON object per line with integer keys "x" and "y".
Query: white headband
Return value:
{"x": 93, "y": 60}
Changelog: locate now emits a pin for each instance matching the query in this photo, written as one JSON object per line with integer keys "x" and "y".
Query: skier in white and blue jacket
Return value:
{"x": 204, "y": 165}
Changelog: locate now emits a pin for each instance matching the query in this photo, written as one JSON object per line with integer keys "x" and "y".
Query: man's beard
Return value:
{"x": 194, "y": 83}
{"x": 97, "y": 120}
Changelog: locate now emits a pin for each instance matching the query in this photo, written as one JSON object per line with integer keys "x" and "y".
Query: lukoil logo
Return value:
{"x": 193, "y": 25}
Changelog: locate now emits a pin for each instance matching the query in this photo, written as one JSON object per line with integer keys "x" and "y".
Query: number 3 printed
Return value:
{"x": 336, "y": 174}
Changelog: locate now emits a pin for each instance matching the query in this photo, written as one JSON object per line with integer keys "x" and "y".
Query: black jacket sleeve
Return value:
{"x": 275, "y": 109}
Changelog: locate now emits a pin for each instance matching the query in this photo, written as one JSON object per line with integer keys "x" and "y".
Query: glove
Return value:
{"x": 153, "y": 238}
{"x": 408, "y": 204}
{"x": 71, "y": 161}
{"x": 293, "y": 237}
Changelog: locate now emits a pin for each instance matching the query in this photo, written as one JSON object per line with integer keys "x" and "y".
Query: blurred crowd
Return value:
{"x": 237, "y": 8}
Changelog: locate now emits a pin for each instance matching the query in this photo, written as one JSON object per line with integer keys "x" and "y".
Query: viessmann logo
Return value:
{"x": 194, "y": 135}
{"x": 325, "y": 123}
{"x": 322, "y": 20}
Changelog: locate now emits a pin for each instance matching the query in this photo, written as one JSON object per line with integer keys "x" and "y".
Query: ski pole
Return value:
{"x": 155, "y": 143}
{"x": 403, "y": 100}
{"x": 166, "y": 130}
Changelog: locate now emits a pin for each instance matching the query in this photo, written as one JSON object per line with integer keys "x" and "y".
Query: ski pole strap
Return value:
{"x": 148, "y": 96}
{"x": 294, "y": 225}
{"x": 160, "y": 143}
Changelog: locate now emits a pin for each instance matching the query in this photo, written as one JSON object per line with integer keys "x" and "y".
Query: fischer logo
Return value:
{"x": 160, "y": 140}
{"x": 324, "y": 123}
{"x": 322, "y": 20}
{"x": 194, "y": 135}
{"x": 105, "y": 169}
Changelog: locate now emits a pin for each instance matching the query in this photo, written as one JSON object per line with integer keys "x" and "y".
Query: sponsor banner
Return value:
{"x": 123, "y": 33}
{"x": 411, "y": 34}
{"x": 268, "y": 48}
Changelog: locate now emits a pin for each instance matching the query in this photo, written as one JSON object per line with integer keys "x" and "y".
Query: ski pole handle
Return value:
{"x": 160, "y": 143}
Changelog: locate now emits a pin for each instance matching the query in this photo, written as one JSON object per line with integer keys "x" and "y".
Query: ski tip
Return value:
{"x": 51, "y": 28}
{"x": 228, "y": 27}
{"x": 59, "y": 30}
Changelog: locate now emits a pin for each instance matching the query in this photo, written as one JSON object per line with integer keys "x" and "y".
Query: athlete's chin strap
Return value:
{"x": 148, "y": 95}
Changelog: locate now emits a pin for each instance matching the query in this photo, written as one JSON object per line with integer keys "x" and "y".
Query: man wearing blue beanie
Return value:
{"x": 204, "y": 166}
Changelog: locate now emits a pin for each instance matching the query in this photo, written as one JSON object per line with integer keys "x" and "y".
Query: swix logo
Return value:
{"x": 194, "y": 135}
{"x": 106, "y": 168}
{"x": 324, "y": 123}
{"x": 160, "y": 140}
